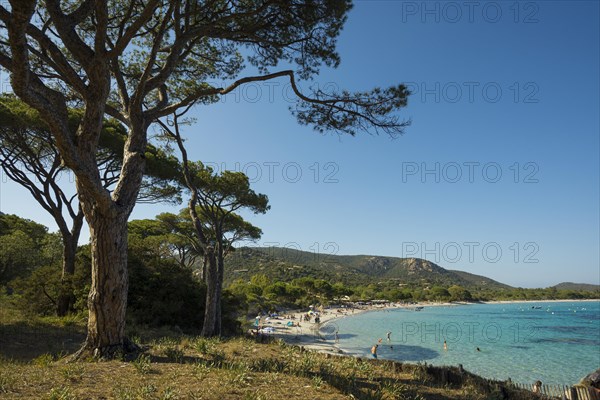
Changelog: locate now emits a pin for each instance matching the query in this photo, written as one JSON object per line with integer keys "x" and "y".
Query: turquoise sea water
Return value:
{"x": 558, "y": 343}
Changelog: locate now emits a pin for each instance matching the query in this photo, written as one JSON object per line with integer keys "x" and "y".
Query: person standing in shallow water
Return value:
{"x": 445, "y": 346}
{"x": 374, "y": 350}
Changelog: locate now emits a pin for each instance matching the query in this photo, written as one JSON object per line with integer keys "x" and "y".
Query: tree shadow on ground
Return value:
{"x": 24, "y": 342}
{"x": 181, "y": 360}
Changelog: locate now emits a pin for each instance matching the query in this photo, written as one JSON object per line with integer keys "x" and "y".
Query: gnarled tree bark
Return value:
{"x": 107, "y": 299}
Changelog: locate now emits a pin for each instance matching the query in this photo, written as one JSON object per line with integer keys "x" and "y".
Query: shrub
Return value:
{"x": 44, "y": 360}
{"x": 73, "y": 372}
{"x": 8, "y": 381}
{"x": 204, "y": 346}
{"x": 62, "y": 393}
{"x": 163, "y": 293}
{"x": 142, "y": 364}
{"x": 174, "y": 354}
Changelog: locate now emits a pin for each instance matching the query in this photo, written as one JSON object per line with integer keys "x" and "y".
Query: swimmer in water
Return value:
{"x": 374, "y": 351}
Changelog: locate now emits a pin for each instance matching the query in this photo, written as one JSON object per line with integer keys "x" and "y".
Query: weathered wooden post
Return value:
{"x": 573, "y": 393}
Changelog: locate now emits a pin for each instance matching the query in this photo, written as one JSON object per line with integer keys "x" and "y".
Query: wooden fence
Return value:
{"x": 561, "y": 392}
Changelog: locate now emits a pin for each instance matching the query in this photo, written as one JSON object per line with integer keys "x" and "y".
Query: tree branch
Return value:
{"x": 132, "y": 29}
{"x": 146, "y": 85}
{"x": 65, "y": 26}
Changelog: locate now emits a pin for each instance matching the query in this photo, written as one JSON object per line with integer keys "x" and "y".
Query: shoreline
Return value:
{"x": 310, "y": 335}
{"x": 534, "y": 301}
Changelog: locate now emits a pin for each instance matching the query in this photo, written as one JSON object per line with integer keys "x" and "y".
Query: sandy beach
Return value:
{"x": 321, "y": 336}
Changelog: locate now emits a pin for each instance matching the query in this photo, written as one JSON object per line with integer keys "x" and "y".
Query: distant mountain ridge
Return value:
{"x": 285, "y": 264}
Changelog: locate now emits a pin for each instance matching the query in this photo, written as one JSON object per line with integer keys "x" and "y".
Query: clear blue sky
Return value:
{"x": 499, "y": 88}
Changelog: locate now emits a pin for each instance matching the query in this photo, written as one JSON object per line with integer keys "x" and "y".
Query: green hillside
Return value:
{"x": 577, "y": 286}
{"x": 285, "y": 264}
{"x": 479, "y": 281}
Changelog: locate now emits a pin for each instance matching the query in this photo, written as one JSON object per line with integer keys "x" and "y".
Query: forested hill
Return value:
{"x": 285, "y": 264}
{"x": 577, "y": 286}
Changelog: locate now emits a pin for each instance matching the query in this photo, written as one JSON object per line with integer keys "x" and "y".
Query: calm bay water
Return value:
{"x": 558, "y": 343}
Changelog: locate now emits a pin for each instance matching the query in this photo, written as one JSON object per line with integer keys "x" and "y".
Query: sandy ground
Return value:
{"x": 321, "y": 337}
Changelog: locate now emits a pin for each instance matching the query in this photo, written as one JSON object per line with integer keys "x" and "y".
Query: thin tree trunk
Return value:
{"x": 107, "y": 300}
{"x": 210, "y": 309}
{"x": 219, "y": 289}
{"x": 70, "y": 239}
{"x": 209, "y": 265}
{"x": 66, "y": 299}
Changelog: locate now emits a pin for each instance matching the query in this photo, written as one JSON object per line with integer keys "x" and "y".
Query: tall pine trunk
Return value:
{"x": 107, "y": 300}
